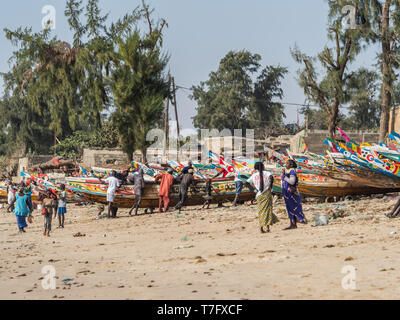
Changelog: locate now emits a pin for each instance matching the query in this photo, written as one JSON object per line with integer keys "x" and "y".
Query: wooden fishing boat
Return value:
{"x": 3, "y": 192}
{"x": 223, "y": 190}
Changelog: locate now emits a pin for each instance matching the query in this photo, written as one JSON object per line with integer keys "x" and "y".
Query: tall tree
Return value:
{"x": 379, "y": 23}
{"x": 69, "y": 80}
{"x": 329, "y": 90}
{"x": 266, "y": 110}
{"x": 230, "y": 99}
{"x": 24, "y": 130}
{"x": 364, "y": 108}
{"x": 139, "y": 85}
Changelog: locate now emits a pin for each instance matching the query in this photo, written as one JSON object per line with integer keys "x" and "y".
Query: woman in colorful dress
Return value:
{"x": 266, "y": 217}
{"x": 291, "y": 194}
{"x": 23, "y": 209}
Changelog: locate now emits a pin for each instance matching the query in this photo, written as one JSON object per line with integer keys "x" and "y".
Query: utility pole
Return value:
{"x": 306, "y": 122}
{"x": 298, "y": 118}
{"x": 166, "y": 123}
{"x": 176, "y": 116}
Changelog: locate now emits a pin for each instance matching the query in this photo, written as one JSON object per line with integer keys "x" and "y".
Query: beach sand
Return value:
{"x": 215, "y": 254}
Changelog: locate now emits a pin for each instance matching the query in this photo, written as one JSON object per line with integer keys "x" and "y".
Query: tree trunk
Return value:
{"x": 144, "y": 155}
{"x": 384, "y": 125}
{"x": 333, "y": 118}
{"x": 332, "y": 126}
{"x": 387, "y": 79}
{"x": 130, "y": 156}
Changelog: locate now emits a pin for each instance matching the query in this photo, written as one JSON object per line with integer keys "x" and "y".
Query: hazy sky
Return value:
{"x": 200, "y": 33}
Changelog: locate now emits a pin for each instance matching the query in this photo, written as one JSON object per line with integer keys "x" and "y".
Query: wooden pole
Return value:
{"x": 176, "y": 115}
{"x": 298, "y": 118}
{"x": 306, "y": 122}
{"x": 166, "y": 124}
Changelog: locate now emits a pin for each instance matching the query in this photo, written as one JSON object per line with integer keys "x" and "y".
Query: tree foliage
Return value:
{"x": 379, "y": 23}
{"x": 139, "y": 85}
{"x": 58, "y": 88}
{"x": 364, "y": 107}
{"x": 231, "y": 99}
{"x": 329, "y": 90}
{"x": 104, "y": 137}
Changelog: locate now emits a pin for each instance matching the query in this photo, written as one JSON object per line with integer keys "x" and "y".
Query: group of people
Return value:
{"x": 166, "y": 181}
{"x": 53, "y": 203}
{"x": 21, "y": 204}
{"x": 261, "y": 180}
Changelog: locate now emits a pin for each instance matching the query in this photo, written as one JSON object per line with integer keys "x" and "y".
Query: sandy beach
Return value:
{"x": 215, "y": 254}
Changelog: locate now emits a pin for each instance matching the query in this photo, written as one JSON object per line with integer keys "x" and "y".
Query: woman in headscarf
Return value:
{"x": 23, "y": 209}
{"x": 263, "y": 181}
{"x": 291, "y": 194}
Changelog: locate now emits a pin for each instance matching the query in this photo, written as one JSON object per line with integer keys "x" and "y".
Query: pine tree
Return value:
{"x": 139, "y": 85}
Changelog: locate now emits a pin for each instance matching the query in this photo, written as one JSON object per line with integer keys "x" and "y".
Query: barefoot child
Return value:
{"x": 62, "y": 207}
{"x": 49, "y": 206}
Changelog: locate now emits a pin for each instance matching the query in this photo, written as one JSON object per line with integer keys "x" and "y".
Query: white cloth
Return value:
{"x": 255, "y": 180}
{"x": 11, "y": 195}
{"x": 110, "y": 196}
{"x": 63, "y": 203}
{"x": 113, "y": 184}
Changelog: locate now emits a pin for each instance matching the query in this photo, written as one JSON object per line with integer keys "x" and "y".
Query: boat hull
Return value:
{"x": 222, "y": 191}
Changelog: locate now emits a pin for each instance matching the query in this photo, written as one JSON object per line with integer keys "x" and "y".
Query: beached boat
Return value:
{"x": 3, "y": 191}
{"x": 223, "y": 190}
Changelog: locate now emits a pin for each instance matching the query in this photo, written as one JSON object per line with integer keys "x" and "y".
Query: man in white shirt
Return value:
{"x": 113, "y": 184}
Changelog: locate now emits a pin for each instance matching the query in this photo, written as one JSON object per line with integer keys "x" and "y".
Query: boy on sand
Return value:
{"x": 62, "y": 206}
{"x": 49, "y": 206}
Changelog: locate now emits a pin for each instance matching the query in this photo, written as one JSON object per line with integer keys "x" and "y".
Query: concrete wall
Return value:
{"x": 232, "y": 145}
{"x": 98, "y": 158}
{"x": 315, "y": 139}
{"x": 30, "y": 161}
{"x": 394, "y": 120}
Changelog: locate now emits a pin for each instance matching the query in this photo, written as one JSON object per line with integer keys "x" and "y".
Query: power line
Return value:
{"x": 292, "y": 104}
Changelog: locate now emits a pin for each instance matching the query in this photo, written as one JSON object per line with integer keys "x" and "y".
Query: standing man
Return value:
{"x": 113, "y": 184}
{"x": 187, "y": 180}
{"x": 138, "y": 182}
{"x": 167, "y": 180}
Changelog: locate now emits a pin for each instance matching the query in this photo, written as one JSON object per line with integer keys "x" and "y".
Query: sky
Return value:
{"x": 201, "y": 33}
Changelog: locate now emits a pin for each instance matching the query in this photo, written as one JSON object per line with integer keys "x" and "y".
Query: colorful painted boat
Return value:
{"x": 3, "y": 191}
{"x": 223, "y": 190}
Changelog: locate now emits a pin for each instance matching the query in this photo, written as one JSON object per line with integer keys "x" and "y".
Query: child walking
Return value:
{"x": 62, "y": 207}
{"x": 49, "y": 205}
